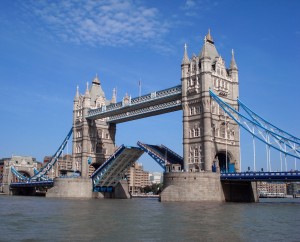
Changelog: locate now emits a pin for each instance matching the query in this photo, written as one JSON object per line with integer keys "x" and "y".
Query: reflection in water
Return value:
{"x": 47, "y": 219}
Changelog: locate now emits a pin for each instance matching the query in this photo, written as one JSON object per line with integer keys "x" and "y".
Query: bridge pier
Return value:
{"x": 71, "y": 187}
{"x": 206, "y": 186}
{"x": 192, "y": 186}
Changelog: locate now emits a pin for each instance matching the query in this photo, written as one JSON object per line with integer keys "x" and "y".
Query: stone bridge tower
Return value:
{"x": 93, "y": 140}
{"x": 211, "y": 139}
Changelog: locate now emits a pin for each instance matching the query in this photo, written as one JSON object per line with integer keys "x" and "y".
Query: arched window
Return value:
{"x": 197, "y": 132}
{"x": 223, "y": 130}
{"x": 196, "y": 155}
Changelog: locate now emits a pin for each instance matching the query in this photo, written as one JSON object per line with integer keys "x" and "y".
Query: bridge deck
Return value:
{"x": 261, "y": 176}
{"x": 36, "y": 184}
{"x": 116, "y": 166}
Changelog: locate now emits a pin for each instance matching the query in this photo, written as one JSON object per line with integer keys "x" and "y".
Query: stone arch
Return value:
{"x": 220, "y": 161}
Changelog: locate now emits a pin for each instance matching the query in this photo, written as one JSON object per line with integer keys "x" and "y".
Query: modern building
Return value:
{"x": 155, "y": 177}
{"x": 137, "y": 178}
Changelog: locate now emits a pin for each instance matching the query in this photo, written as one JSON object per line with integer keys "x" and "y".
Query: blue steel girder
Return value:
{"x": 154, "y": 155}
{"x": 155, "y": 103}
{"x": 268, "y": 136}
{"x": 41, "y": 173}
{"x": 114, "y": 169}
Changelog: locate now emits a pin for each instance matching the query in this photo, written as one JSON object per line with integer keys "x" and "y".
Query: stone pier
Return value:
{"x": 192, "y": 186}
{"x": 206, "y": 186}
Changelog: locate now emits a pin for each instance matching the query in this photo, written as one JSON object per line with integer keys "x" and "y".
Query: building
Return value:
{"x": 24, "y": 165}
{"x": 293, "y": 188}
{"x": 137, "y": 178}
{"x": 93, "y": 140}
{"x": 62, "y": 167}
{"x": 210, "y": 137}
{"x": 155, "y": 177}
{"x": 272, "y": 189}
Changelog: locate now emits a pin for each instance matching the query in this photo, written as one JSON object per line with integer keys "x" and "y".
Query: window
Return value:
{"x": 197, "y": 132}
{"x": 223, "y": 130}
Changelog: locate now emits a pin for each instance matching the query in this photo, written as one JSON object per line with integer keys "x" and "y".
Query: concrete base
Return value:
{"x": 121, "y": 190}
{"x": 71, "y": 187}
{"x": 192, "y": 186}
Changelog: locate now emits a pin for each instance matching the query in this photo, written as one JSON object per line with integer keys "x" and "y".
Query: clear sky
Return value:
{"x": 47, "y": 48}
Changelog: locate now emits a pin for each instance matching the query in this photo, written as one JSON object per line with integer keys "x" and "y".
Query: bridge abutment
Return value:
{"x": 206, "y": 186}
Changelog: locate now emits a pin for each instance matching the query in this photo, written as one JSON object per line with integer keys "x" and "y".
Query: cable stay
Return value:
{"x": 266, "y": 124}
{"x": 46, "y": 168}
{"x": 262, "y": 130}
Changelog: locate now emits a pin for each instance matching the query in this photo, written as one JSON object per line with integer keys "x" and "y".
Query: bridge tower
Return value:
{"x": 93, "y": 140}
{"x": 210, "y": 138}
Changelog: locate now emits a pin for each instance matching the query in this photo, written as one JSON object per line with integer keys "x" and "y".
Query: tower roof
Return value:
{"x": 209, "y": 49}
{"x": 96, "y": 90}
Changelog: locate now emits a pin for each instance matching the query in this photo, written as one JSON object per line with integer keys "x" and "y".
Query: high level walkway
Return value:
{"x": 164, "y": 101}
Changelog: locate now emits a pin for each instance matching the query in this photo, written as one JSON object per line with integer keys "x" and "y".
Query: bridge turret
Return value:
{"x": 233, "y": 73}
{"x": 185, "y": 63}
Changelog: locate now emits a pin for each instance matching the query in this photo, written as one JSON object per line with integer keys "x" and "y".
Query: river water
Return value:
{"x": 51, "y": 219}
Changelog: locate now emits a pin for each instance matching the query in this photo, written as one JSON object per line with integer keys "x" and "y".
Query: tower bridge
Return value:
{"x": 210, "y": 168}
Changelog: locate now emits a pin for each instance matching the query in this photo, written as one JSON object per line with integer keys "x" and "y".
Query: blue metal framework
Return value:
{"x": 261, "y": 129}
{"x": 20, "y": 176}
{"x": 161, "y": 154}
{"x": 261, "y": 176}
{"x": 114, "y": 169}
{"x": 161, "y": 160}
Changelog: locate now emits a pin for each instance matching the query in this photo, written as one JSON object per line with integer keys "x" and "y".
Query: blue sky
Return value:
{"x": 47, "y": 48}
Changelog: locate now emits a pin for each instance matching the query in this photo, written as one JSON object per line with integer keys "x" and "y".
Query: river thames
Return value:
{"x": 49, "y": 219}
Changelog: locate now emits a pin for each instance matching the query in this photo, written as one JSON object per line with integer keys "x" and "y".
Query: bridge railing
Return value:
{"x": 262, "y": 176}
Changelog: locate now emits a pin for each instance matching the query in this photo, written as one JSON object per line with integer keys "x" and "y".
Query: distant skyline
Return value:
{"x": 49, "y": 47}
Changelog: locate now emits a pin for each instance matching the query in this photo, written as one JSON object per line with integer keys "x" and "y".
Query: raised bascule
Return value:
{"x": 210, "y": 167}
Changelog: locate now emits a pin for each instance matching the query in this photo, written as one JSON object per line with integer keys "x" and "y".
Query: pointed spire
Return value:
{"x": 232, "y": 62}
{"x": 114, "y": 96}
{"x": 204, "y": 52}
{"x": 87, "y": 92}
{"x": 77, "y": 93}
{"x": 185, "y": 59}
{"x": 209, "y": 37}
